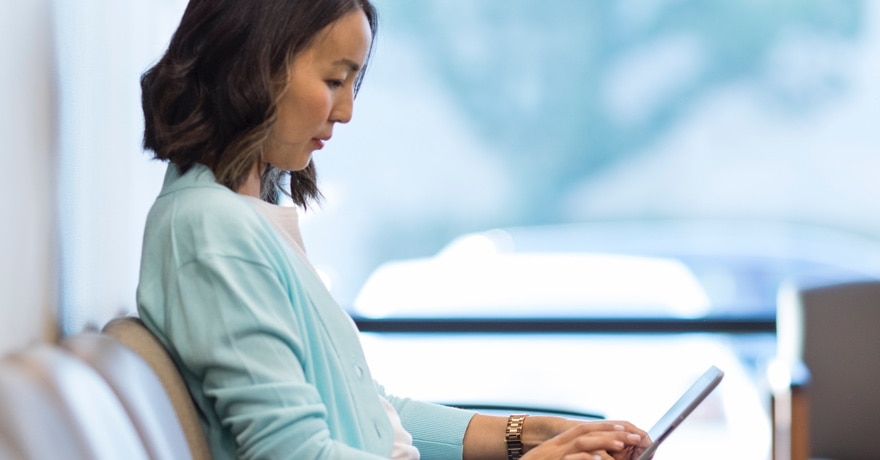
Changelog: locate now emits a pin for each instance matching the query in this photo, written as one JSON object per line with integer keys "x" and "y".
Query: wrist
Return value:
{"x": 538, "y": 429}
{"x": 513, "y": 436}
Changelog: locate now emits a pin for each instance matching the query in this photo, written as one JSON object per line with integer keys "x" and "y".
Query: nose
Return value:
{"x": 343, "y": 107}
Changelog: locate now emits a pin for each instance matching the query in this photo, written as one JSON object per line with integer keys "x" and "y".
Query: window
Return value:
{"x": 725, "y": 148}
{"x": 579, "y": 205}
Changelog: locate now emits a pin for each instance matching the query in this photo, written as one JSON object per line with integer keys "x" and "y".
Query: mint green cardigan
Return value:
{"x": 274, "y": 364}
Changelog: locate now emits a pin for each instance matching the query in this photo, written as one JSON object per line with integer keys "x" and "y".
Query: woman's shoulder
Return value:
{"x": 195, "y": 198}
{"x": 206, "y": 219}
{"x": 198, "y": 206}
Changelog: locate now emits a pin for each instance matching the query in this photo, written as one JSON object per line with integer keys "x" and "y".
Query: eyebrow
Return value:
{"x": 354, "y": 66}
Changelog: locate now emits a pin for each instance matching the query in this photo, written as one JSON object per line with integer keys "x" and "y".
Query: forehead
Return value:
{"x": 349, "y": 38}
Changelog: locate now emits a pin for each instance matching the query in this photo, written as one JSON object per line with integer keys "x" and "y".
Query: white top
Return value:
{"x": 286, "y": 222}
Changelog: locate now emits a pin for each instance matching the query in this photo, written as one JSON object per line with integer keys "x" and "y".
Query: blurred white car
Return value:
{"x": 476, "y": 276}
{"x": 627, "y": 269}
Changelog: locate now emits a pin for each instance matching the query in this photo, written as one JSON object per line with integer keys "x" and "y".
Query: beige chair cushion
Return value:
{"x": 138, "y": 389}
{"x": 132, "y": 332}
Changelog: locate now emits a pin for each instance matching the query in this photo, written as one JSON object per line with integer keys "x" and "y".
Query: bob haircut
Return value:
{"x": 211, "y": 98}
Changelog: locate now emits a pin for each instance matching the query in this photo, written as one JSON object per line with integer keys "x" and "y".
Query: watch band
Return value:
{"x": 513, "y": 436}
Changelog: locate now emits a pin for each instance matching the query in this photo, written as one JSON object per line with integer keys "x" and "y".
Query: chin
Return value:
{"x": 293, "y": 166}
{"x": 300, "y": 167}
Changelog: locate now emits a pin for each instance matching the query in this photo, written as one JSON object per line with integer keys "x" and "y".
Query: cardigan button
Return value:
{"x": 359, "y": 371}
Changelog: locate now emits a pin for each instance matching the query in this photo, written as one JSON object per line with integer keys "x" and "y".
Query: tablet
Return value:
{"x": 682, "y": 408}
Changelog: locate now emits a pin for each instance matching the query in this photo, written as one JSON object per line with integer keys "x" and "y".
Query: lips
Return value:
{"x": 320, "y": 141}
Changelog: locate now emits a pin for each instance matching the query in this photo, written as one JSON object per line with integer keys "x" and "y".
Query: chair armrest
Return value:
{"x": 789, "y": 410}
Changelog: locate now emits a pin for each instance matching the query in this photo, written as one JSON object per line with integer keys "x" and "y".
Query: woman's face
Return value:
{"x": 320, "y": 92}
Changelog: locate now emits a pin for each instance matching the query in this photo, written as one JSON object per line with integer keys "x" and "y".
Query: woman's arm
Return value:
{"x": 484, "y": 438}
{"x": 232, "y": 325}
{"x": 551, "y": 438}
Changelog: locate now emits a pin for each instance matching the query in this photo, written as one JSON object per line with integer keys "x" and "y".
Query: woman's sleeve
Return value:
{"x": 437, "y": 430}
{"x": 233, "y": 327}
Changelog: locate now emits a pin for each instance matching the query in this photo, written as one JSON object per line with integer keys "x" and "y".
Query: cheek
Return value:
{"x": 312, "y": 100}
{"x": 299, "y": 117}
{"x": 288, "y": 121}
{"x": 301, "y": 124}
{"x": 315, "y": 106}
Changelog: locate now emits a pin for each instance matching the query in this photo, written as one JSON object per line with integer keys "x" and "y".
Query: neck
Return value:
{"x": 251, "y": 185}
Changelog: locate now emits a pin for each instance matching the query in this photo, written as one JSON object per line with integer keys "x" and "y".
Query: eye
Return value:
{"x": 335, "y": 84}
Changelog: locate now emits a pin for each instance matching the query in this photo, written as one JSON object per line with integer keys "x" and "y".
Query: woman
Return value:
{"x": 245, "y": 94}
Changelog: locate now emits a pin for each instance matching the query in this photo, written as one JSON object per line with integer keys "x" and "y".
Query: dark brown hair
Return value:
{"x": 211, "y": 98}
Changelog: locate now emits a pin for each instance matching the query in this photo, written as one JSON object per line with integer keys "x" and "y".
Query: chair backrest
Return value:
{"x": 835, "y": 331}
{"x": 132, "y": 333}
{"x": 138, "y": 389}
{"x": 29, "y": 417}
{"x": 53, "y": 405}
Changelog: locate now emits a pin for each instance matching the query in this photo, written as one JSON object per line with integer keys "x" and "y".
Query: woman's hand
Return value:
{"x": 589, "y": 441}
{"x": 540, "y": 430}
{"x": 555, "y": 438}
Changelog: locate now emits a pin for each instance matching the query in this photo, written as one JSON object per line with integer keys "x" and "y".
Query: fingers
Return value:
{"x": 600, "y": 455}
{"x": 599, "y": 427}
{"x": 590, "y": 438}
{"x": 585, "y": 456}
{"x": 629, "y": 427}
{"x": 646, "y": 440}
{"x": 606, "y": 440}
{"x": 590, "y": 441}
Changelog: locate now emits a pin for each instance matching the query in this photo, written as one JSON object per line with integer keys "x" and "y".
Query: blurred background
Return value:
{"x": 652, "y": 172}
{"x": 477, "y": 115}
